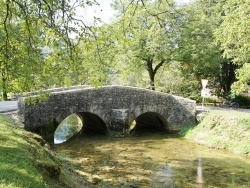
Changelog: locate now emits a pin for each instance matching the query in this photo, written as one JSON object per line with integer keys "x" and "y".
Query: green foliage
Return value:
{"x": 33, "y": 100}
{"x": 43, "y": 46}
{"x": 233, "y": 35}
{"x": 206, "y": 100}
{"x": 198, "y": 51}
{"x": 243, "y": 76}
{"x": 40, "y": 45}
{"x": 243, "y": 100}
{"x": 144, "y": 41}
{"x": 172, "y": 80}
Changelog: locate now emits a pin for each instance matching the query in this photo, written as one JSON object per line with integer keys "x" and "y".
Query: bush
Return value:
{"x": 243, "y": 100}
{"x": 211, "y": 99}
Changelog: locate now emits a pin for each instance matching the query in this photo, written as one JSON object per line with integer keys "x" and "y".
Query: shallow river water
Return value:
{"x": 154, "y": 160}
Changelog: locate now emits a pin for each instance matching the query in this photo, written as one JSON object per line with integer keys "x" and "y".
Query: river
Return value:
{"x": 153, "y": 159}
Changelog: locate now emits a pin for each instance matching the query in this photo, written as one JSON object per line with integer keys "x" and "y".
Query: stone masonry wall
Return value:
{"x": 117, "y": 106}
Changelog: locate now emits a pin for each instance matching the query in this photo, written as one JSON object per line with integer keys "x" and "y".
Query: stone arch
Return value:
{"x": 59, "y": 117}
{"x": 93, "y": 122}
{"x": 77, "y": 124}
{"x": 149, "y": 120}
{"x": 86, "y": 116}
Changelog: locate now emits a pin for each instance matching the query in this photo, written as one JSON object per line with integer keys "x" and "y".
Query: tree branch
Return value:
{"x": 159, "y": 65}
{"x": 6, "y": 29}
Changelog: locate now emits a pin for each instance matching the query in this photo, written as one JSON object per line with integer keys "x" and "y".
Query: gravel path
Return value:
{"x": 208, "y": 108}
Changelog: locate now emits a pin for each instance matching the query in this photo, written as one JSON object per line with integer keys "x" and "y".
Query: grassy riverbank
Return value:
{"x": 27, "y": 161}
{"x": 222, "y": 129}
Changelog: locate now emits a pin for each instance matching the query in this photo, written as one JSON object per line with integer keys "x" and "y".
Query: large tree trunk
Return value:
{"x": 5, "y": 97}
{"x": 227, "y": 76}
{"x": 152, "y": 71}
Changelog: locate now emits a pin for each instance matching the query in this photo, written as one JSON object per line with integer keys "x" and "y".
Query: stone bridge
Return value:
{"x": 111, "y": 109}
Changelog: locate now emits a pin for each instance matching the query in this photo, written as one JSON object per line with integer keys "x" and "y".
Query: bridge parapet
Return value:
{"x": 116, "y": 106}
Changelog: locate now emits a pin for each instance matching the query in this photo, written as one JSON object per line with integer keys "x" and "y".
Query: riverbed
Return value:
{"x": 154, "y": 159}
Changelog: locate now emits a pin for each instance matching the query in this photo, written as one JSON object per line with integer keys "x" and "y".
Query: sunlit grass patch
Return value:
{"x": 20, "y": 154}
{"x": 223, "y": 129}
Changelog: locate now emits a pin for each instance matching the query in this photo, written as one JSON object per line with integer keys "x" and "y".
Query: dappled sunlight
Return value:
{"x": 153, "y": 160}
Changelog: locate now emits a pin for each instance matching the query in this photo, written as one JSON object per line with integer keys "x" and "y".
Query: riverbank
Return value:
{"x": 228, "y": 130}
{"x": 27, "y": 161}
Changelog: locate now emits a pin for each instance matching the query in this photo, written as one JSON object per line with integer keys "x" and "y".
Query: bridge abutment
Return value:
{"x": 118, "y": 124}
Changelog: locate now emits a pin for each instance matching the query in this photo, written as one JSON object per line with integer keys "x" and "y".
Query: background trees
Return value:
{"x": 146, "y": 36}
{"x": 39, "y": 43}
{"x": 154, "y": 37}
{"x": 234, "y": 37}
{"x": 19, "y": 59}
{"x": 154, "y": 44}
{"x": 199, "y": 52}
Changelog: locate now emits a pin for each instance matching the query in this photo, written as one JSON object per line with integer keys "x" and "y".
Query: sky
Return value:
{"x": 104, "y": 11}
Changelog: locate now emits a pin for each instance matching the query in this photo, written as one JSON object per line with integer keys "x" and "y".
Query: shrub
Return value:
{"x": 243, "y": 100}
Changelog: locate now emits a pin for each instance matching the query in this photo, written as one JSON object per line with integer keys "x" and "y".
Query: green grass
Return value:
{"x": 222, "y": 129}
{"x": 26, "y": 161}
{"x": 18, "y": 157}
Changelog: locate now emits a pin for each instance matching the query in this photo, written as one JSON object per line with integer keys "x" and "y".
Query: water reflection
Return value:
{"x": 69, "y": 127}
{"x": 165, "y": 176}
{"x": 200, "y": 179}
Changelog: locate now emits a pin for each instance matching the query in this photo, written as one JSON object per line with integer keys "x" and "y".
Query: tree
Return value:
{"x": 30, "y": 27}
{"x": 198, "y": 49}
{"x": 145, "y": 35}
{"x": 234, "y": 38}
{"x": 243, "y": 75}
{"x": 19, "y": 60}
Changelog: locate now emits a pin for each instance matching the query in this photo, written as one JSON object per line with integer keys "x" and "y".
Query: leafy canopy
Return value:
{"x": 234, "y": 37}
